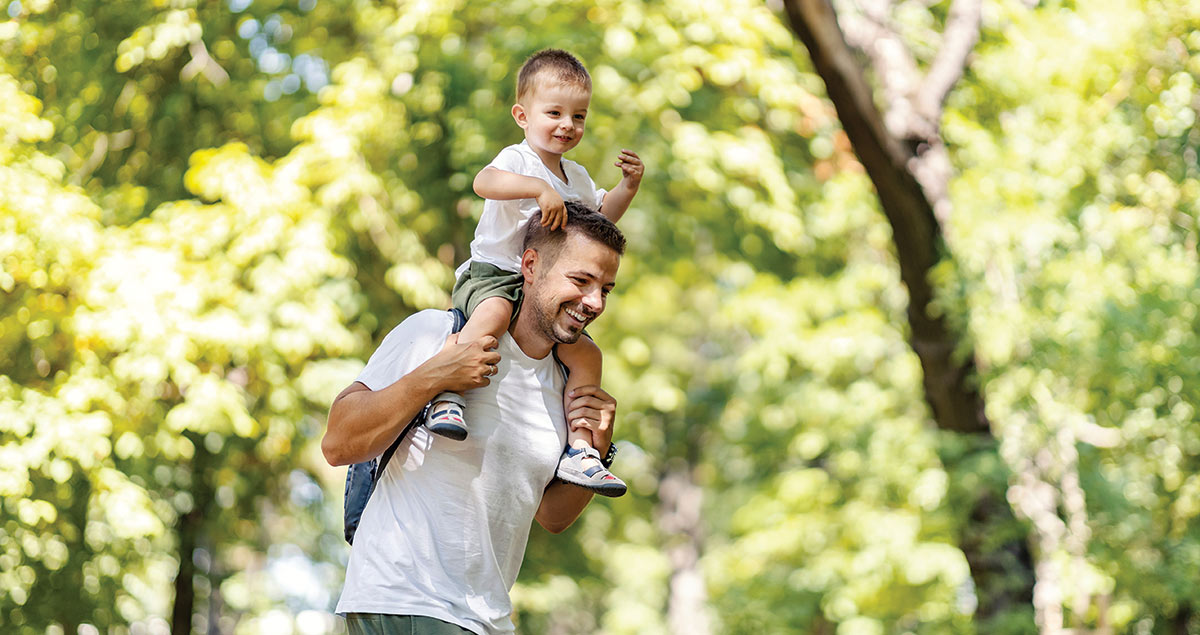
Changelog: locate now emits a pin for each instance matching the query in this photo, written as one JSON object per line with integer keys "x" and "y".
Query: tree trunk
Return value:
{"x": 679, "y": 516}
{"x": 189, "y": 529}
{"x": 956, "y": 404}
{"x": 1181, "y": 624}
{"x": 910, "y": 179}
{"x": 185, "y": 593}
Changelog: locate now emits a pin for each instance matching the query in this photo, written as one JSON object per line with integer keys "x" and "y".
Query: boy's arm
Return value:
{"x": 618, "y": 199}
{"x": 501, "y": 185}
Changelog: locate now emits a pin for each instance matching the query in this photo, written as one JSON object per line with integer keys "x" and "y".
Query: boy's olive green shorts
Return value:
{"x": 482, "y": 281}
{"x": 368, "y": 624}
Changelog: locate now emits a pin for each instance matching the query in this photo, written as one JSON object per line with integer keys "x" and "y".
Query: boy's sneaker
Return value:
{"x": 445, "y": 416}
{"x": 583, "y": 468}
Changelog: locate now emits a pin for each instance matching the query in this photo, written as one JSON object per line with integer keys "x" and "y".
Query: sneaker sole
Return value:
{"x": 448, "y": 430}
{"x": 611, "y": 490}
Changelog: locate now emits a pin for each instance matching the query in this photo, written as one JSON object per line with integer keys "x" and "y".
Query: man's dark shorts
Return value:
{"x": 370, "y": 624}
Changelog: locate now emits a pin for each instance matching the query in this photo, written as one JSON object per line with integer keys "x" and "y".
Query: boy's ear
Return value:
{"x": 518, "y": 113}
{"x": 529, "y": 263}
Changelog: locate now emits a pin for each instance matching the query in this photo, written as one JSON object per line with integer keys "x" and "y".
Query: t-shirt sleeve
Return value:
{"x": 585, "y": 187}
{"x": 512, "y": 160}
{"x": 407, "y": 346}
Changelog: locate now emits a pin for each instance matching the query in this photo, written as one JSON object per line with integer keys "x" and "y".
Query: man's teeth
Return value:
{"x": 576, "y": 315}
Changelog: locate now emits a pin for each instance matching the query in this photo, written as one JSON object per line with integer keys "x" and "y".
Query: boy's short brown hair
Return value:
{"x": 558, "y": 65}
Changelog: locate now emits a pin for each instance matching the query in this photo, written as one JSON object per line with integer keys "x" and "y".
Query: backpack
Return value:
{"x": 362, "y": 477}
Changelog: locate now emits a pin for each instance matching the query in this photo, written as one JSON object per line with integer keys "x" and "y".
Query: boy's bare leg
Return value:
{"x": 585, "y": 362}
{"x": 580, "y": 464}
{"x": 446, "y": 417}
{"x": 490, "y": 317}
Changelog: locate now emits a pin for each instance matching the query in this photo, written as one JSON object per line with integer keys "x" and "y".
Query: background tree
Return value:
{"x": 902, "y": 151}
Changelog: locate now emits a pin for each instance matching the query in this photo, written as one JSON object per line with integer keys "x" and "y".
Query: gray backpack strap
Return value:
{"x": 362, "y": 477}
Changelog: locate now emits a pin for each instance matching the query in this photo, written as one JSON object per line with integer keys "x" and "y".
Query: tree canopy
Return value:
{"x": 211, "y": 213}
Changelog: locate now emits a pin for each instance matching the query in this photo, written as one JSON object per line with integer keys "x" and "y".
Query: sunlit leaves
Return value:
{"x": 209, "y": 211}
{"x": 1082, "y": 250}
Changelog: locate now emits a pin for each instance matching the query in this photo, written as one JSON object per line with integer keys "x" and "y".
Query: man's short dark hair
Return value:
{"x": 558, "y": 65}
{"x": 581, "y": 219}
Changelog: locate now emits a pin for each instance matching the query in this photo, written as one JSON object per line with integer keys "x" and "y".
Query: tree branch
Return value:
{"x": 956, "y": 405}
{"x": 202, "y": 62}
{"x": 958, "y": 39}
{"x": 817, "y": 26}
{"x": 869, "y": 31}
{"x": 910, "y": 173}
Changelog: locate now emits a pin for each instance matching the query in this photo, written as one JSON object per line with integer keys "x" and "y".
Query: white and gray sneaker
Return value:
{"x": 583, "y": 468}
{"x": 446, "y": 418}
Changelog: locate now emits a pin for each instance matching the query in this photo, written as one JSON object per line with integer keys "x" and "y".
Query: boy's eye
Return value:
{"x": 580, "y": 117}
{"x": 553, "y": 113}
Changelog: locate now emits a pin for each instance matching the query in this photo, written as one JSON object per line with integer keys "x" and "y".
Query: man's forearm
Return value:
{"x": 561, "y": 506}
{"x": 363, "y": 422}
{"x": 595, "y": 409}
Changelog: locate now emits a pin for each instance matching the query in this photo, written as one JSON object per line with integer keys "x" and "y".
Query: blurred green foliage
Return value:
{"x": 211, "y": 212}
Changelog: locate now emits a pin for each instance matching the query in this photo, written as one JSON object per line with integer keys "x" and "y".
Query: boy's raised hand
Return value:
{"x": 631, "y": 167}
{"x": 554, "y": 211}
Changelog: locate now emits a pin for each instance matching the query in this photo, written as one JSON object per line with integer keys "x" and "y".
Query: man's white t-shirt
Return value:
{"x": 445, "y": 532}
{"x": 501, "y": 230}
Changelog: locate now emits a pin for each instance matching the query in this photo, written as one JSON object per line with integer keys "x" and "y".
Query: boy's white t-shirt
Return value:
{"x": 501, "y": 230}
{"x": 445, "y": 531}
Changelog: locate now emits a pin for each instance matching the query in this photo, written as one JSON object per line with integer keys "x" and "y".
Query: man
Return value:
{"x": 442, "y": 538}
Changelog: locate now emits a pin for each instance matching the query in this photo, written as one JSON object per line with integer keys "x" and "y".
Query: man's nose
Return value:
{"x": 594, "y": 301}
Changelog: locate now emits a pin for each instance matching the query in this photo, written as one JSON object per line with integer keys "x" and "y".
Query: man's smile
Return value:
{"x": 576, "y": 315}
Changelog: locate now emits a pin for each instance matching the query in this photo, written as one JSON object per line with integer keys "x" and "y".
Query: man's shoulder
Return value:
{"x": 427, "y": 323}
{"x": 428, "y": 319}
{"x": 416, "y": 339}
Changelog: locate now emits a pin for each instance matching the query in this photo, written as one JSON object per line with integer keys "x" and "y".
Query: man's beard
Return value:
{"x": 547, "y": 322}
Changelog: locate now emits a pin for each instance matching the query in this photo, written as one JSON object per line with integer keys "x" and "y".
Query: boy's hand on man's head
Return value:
{"x": 631, "y": 167}
{"x": 554, "y": 211}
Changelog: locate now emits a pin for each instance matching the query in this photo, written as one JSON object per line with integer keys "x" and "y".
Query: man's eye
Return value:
{"x": 579, "y": 281}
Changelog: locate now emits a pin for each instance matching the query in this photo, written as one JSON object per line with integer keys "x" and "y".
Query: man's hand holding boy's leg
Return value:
{"x": 447, "y": 415}
{"x": 594, "y": 410}
{"x": 590, "y": 414}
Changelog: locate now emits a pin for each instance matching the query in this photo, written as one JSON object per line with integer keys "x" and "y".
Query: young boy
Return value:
{"x": 553, "y": 94}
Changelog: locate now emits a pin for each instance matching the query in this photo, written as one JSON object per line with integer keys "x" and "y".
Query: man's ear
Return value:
{"x": 529, "y": 263}
{"x": 518, "y": 113}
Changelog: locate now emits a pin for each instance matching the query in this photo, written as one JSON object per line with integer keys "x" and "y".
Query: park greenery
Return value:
{"x": 212, "y": 212}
